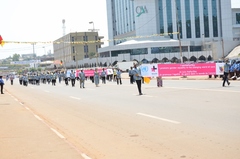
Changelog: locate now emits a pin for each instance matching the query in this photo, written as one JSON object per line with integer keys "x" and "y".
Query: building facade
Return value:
{"x": 150, "y": 30}
{"x": 75, "y": 47}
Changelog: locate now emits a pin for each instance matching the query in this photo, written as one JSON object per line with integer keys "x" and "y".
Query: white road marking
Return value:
{"x": 38, "y": 117}
{"x": 154, "y": 117}
{"x": 85, "y": 156}
{"x": 27, "y": 108}
{"x": 46, "y": 91}
{"x": 16, "y": 99}
{"x": 21, "y": 103}
{"x": 58, "y": 134}
{"x": 75, "y": 98}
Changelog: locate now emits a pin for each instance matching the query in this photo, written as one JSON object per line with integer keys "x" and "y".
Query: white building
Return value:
{"x": 147, "y": 30}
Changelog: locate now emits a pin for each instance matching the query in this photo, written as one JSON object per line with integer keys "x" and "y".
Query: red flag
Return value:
{"x": 1, "y": 41}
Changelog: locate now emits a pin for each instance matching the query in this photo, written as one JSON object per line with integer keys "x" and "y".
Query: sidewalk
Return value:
{"x": 22, "y": 136}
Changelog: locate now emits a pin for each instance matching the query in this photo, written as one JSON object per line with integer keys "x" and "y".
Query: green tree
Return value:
{"x": 16, "y": 57}
{"x": 92, "y": 55}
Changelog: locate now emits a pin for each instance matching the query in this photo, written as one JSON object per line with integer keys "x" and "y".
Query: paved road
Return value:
{"x": 184, "y": 119}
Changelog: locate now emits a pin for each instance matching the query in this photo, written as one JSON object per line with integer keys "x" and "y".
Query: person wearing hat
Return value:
{"x": 1, "y": 84}
{"x": 82, "y": 78}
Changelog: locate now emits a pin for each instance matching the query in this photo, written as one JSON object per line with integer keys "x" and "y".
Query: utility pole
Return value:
{"x": 76, "y": 51}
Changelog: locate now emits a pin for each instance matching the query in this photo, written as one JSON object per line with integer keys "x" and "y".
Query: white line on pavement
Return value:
{"x": 75, "y": 98}
{"x": 38, "y": 117}
{"x": 85, "y": 156}
{"x": 46, "y": 91}
{"x": 58, "y": 134}
{"x": 154, "y": 117}
{"x": 27, "y": 108}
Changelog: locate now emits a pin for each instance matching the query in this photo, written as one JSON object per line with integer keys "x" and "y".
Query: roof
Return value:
{"x": 234, "y": 53}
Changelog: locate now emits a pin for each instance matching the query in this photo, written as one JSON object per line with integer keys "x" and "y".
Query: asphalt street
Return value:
{"x": 183, "y": 119}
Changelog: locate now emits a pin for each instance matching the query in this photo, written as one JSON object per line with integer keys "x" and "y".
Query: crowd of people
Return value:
{"x": 71, "y": 76}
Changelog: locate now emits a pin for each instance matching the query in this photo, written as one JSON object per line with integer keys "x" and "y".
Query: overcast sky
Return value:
{"x": 41, "y": 20}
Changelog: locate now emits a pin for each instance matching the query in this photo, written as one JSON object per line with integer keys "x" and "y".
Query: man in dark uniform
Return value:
{"x": 1, "y": 84}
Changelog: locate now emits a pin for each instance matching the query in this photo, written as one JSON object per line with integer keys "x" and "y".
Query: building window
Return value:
{"x": 205, "y": 18}
{"x": 214, "y": 18}
{"x": 72, "y": 39}
{"x": 161, "y": 16}
{"x": 174, "y": 49}
{"x": 197, "y": 18}
{"x": 195, "y": 48}
{"x": 86, "y": 48}
{"x": 96, "y": 38}
{"x": 73, "y": 49}
{"x": 188, "y": 19}
{"x": 237, "y": 18}
{"x": 179, "y": 18}
{"x": 85, "y": 38}
{"x": 96, "y": 48}
{"x": 74, "y": 58}
{"x": 169, "y": 19}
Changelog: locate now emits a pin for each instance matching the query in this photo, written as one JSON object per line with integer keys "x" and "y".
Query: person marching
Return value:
{"x": 130, "y": 73}
{"x": 82, "y": 78}
{"x": 1, "y": 84}
{"x": 54, "y": 79}
{"x": 20, "y": 79}
{"x": 226, "y": 69}
{"x": 119, "y": 80}
{"x": 11, "y": 79}
{"x": 138, "y": 78}
{"x": 114, "y": 75}
{"x": 65, "y": 78}
{"x": 103, "y": 76}
{"x": 96, "y": 77}
{"x": 72, "y": 77}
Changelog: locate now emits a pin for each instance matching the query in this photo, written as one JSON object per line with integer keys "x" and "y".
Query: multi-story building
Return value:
{"x": 149, "y": 30}
{"x": 74, "y": 47}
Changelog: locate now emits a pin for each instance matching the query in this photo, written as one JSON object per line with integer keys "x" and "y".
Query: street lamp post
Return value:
{"x": 76, "y": 58}
{"x": 93, "y": 26}
{"x": 44, "y": 50}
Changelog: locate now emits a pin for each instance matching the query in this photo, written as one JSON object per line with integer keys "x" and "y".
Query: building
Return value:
{"x": 74, "y": 48}
{"x": 147, "y": 30}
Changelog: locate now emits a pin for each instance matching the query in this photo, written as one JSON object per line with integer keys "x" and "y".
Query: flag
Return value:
{"x": 147, "y": 79}
{"x": 1, "y": 41}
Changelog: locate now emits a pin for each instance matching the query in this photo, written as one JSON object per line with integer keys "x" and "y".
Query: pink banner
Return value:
{"x": 186, "y": 69}
{"x": 89, "y": 73}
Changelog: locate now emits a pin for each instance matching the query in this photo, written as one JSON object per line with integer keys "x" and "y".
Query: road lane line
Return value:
{"x": 58, "y": 134}
{"x": 154, "y": 117}
{"x": 46, "y": 91}
{"x": 27, "y": 108}
{"x": 38, "y": 117}
{"x": 85, "y": 156}
{"x": 75, "y": 98}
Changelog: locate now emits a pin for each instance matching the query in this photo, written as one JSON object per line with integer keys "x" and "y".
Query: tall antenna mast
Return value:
{"x": 63, "y": 27}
